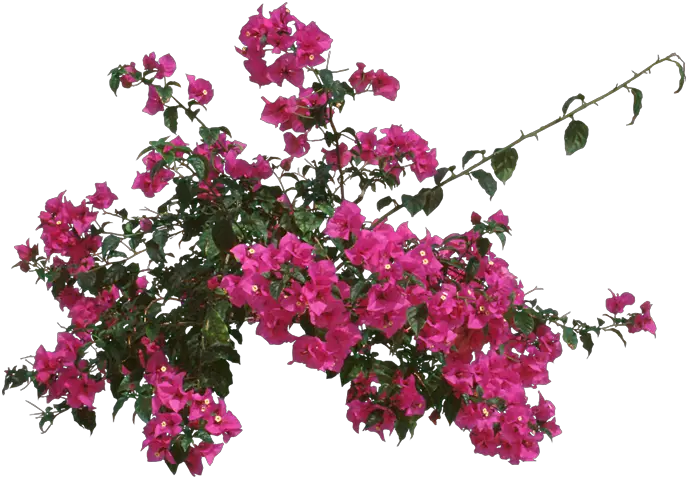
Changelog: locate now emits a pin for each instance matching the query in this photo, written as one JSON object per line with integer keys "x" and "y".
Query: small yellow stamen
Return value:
{"x": 520, "y": 418}
{"x": 163, "y": 424}
{"x": 481, "y": 309}
{"x": 157, "y": 454}
{"x": 338, "y": 105}
{"x": 287, "y": 10}
{"x": 206, "y": 401}
{"x": 205, "y": 92}
{"x": 163, "y": 369}
{"x": 244, "y": 49}
{"x": 491, "y": 263}
{"x": 254, "y": 288}
{"x": 248, "y": 34}
{"x": 251, "y": 251}
{"x": 485, "y": 412}
{"x": 311, "y": 56}
{"x": 58, "y": 222}
{"x": 298, "y": 303}
{"x": 422, "y": 253}
{"x": 218, "y": 418}
{"x": 425, "y": 261}
{"x": 388, "y": 266}
{"x": 443, "y": 297}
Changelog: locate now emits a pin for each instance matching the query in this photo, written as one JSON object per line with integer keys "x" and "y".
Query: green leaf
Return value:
{"x": 412, "y": 204}
{"x": 154, "y": 252}
{"x": 209, "y": 135}
{"x": 215, "y": 329}
{"x": 350, "y": 369}
{"x": 186, "y": 442}
{"x": 86, "y": 280}
{"x": 171, "y": 116}
{"x": 451, "y": 407}
{"x": 178, "y": 452}
{"x": 118, "y": 405}
{"x": 502, "y": 238}
{"x": 637, "y": 104}
{"x": 682, "y": 72}
{"x": 440, "y": 174}
{"x": 387, "y": 200}
{"x": 433, "y": 198}
{"x": 327, "y": 79}
{"x": 575, "y": 136}
{"x": 143, "y": 407}
{"x": 483, "y": 246}
{"x": 110, "y": 243}
{"x": 618, "y": 333}
{"x": 586, "y": 338}
{"x": 47, "y": 419}
{"x": 416, "y": 317}
{"x": 198, "y": 164}
{"x": 384, "y": 370}
{"x": 114, "y": 83}
{"x": 307, "y": 222}
{"x": 565, "y": 108}
{"x": 164, "y": 92}
{"x": 207, "y": 245}
{"x": 358, "y": 290}
{"x": 220, "y": 376}
{"x": 276, "y": 288}
{"x": 469, "y": 155}
{"x": 524, "y": 322}
{"x": 327, "y": 209}
{"x": 504, "y": 163}
{"x": 569, "y": 336}
{"x": 85, "y": 418}
{"x": 223, "y": 234}
{"x": 402, "y": 426}
{"x": 160, "y": 237}
{"x": 204, "y": 436}
{"x": 472, "y": 269}
{"x": 15, "y": 378}
{"x": 486, "y": 181}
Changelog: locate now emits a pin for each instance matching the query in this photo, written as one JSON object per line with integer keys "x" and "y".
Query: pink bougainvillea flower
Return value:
{"x": 338, "y": 157}
{"x": 475, "y": 218}
{"x": 165, "y": 67}
{"x": 103, "y": 197}
{"x": 146, "y": 225}
{"x": 643, "y": 322}
{"x": 285, "y": 68}
{"x": 296, "y": 146}
{"x": 359, "y": 80}
{"x": 200, "y": 90}
{"x": 27, "y": 252}
{"x": 617, "y": 303}
{"x": 500, "y": 218}
{"x": 385, "y": 85}
{"x": 347, "y": 219}
{"x": 154, "y": 103}
{"x": 128, "y": 78}
{"x": 203, "y": 449}
{"x": 149, "y": 187}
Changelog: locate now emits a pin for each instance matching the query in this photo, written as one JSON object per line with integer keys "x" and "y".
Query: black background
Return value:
{"x": 581, "y": 225}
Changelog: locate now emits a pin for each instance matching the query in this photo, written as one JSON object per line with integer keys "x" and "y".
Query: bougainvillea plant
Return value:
{"x": 303, "y": 263}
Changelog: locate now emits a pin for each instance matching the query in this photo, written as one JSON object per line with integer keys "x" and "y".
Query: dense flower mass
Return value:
{"x": 310, "y": 270}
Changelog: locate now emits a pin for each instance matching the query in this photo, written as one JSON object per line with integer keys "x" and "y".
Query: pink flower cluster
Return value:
{"x": 640, "y": 322}
{"x": 175, "y": 409}
{"x": 383, "y": 84}
{"x": 64, "y": 227}
{"x": 65, "y": 375}
{"x": 150, "y": 186}
{"x": 299, "y": 49}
